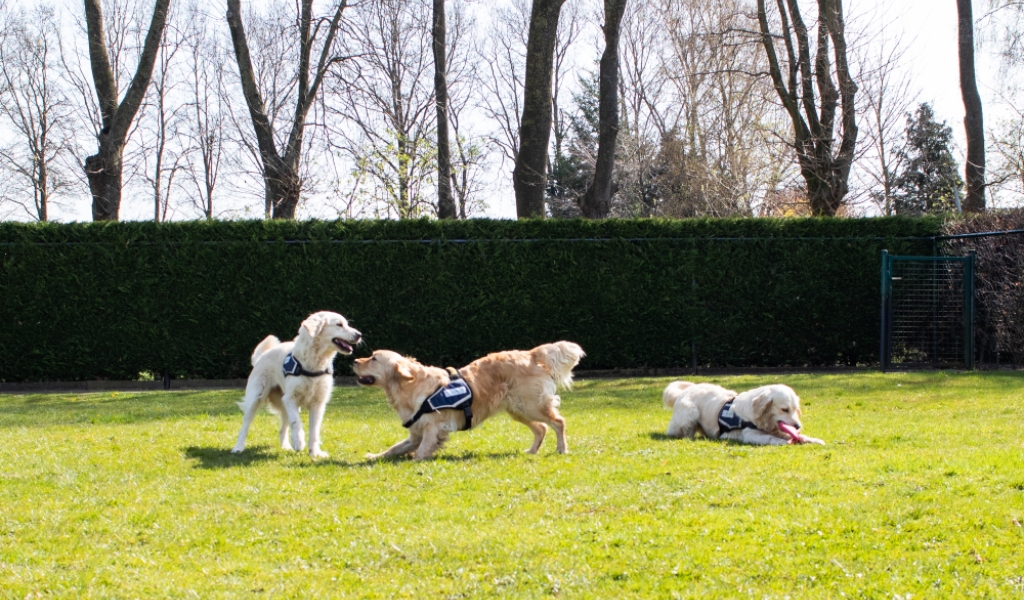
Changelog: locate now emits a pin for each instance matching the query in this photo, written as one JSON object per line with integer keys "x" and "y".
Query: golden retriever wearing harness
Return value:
{"x": 521, "y": 383}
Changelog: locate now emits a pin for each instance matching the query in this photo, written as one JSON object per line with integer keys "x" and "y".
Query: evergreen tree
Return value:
{"x": 929, "y": 180}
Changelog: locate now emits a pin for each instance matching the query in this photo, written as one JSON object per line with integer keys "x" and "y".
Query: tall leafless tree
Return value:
{"x": 811, "y": 98}
{"x": 34, "y": 105}
{"x": 888, "y": 96}
{"x": 529, "y": 179}
{"x": 974, "y": 121}
{"x": 281, "y": 170}
{"x": 445, "y": 203}
{"x": 205, "y": 125}
{"x": 104, "y": 169}
{"x": 596, "y": 203}
{"x": 385, "y": 100}
{"x": 162, "y": 117}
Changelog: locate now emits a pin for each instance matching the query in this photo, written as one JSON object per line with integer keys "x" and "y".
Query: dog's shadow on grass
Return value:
{"x": 223, "y": 458}
{"x": 451, "y": 458}
{"x": 660, "y": 437}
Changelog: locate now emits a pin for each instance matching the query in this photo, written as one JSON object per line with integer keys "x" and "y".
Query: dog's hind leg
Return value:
{"x": 550, "y": 414}
{"x": 685, "y": 419}
{"x": 249, "y": 409}
{"x": 539, "y": 431}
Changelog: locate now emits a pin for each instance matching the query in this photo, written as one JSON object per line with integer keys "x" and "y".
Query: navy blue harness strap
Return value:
{"x": 293, "y": 368}
{"x": 454, "y": 396}
{"x": 728, "y": 420}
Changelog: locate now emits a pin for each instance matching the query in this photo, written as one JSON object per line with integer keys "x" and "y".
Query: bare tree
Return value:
{"x": 35, "y": 107}
{"x": 104, "y": 169}
{"x": 205, "y": 124}
{"x": 887, "y": 95}
{"x": 162, "y": 116}
{"x": 281, "y": 170}
{"x": 529, "y": 179}
{"x": 503, "y": 61}
{"x": 974, "y": 122}
{"x": 811, "y": 98}
{"x": 385, "y": 99}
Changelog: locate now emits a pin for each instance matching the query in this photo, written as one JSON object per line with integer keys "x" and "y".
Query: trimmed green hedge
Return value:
{"x": 94, "y": 300}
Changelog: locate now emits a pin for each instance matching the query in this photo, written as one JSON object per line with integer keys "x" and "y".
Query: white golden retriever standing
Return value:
{"x": 433, "y": 402}
{"x": 289, "y": 376}
{"x": 768, "y": 415}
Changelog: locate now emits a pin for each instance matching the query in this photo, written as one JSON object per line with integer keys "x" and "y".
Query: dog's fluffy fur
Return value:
{"x": 696, "y": 406}
{"x": 522, "y": 383}
{"x": 321, "y": 336}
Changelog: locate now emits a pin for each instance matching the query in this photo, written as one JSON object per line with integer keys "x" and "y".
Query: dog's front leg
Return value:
{"x": 316, "y": 416}
{"x": 756, "y": 437}
{"x": 401, "y": 448}
{"x": 294, "y": 423}
{"x": 433, "y": 438}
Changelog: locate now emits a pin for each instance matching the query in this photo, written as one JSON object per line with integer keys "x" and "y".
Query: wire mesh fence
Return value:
{"x": 927, "y": 311}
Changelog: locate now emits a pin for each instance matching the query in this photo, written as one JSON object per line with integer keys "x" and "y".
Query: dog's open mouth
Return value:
{"x": 366, "y": 379}
{"x": 794, "y": 435}
{"x": 345, "y": 347}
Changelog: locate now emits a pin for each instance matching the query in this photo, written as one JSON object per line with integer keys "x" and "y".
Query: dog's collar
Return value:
{"x": 293, "y": 368}
{"x": 728, "y": 420}
{"x": 454, "y": 396}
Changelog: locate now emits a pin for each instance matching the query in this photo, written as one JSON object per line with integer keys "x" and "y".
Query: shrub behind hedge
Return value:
{"x": 85, "y": 301}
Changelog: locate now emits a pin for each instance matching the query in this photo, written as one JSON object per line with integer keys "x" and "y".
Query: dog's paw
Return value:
{"x": 237, "y": 450}
{"x": 318, "y": 454}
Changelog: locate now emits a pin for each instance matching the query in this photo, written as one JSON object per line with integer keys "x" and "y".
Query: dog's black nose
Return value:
{"x": 359, "y": 338}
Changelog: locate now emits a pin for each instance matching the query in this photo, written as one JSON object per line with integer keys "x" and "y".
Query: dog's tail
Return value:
{"x": 671, "y": 393}
{"x": 268, "y": 342}
{"x": 558, "y": 359}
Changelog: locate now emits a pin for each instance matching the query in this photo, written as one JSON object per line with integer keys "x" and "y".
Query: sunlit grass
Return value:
{"x": 920, "y": 491}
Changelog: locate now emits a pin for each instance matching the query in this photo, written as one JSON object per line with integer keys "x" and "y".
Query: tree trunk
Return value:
{"x": 530, "y": 175}
{"x": 103, "y": 169}
{"x": 445, "y": 201}
{"x": 596, "y": 203}
{"x": 974, "y": 121}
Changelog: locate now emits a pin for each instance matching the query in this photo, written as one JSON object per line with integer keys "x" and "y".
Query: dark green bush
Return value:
{"x": 85, "y": 301}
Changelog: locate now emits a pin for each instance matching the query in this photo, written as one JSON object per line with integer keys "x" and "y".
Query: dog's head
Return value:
{"x": 329, "y": 329}
{"x": 384, "y": 368}
{"x": 776, "y": 404}
{"x": 403, "y": 380}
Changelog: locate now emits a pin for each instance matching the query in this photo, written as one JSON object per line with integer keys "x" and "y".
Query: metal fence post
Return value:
{"x": 883, "y": 354}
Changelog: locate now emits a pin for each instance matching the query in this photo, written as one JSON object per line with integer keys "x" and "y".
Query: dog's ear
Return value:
{"x": 313, "y": 325}
{"x": 762, "y": 403}
{"x": 403, "y": 371}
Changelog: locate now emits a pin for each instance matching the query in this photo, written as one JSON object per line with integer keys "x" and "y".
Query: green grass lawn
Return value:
{"x": 919, "y": 493}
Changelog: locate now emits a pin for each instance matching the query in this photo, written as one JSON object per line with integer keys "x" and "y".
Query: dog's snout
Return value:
{"x": 359, "y": 337}
{"x": 797, "y": 424}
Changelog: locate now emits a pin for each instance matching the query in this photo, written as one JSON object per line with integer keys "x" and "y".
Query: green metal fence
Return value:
{"x": 927, "y": 311}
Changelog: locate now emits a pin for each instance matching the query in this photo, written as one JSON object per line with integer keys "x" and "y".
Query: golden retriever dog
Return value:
{"x": 289, "y": 376}
{"x": 522, "y": 383}
{"x": 768, "y": 415}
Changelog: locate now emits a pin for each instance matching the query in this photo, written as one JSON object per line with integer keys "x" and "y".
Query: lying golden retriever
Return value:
{"x": 289, "y": 376}
{"x": 768, "y": 415}
{"x": 433, "y": 402}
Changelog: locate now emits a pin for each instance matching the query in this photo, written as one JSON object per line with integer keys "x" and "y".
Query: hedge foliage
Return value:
{"x": 94, "y": 300}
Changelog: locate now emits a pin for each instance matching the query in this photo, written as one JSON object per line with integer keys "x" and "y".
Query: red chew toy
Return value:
{"x": 794, "y": 435}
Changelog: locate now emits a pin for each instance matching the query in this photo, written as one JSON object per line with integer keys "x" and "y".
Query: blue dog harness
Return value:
{"x": 293, "y": 368}
{"x": 454, "y": 396}
{"x": 729, "y": 420}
